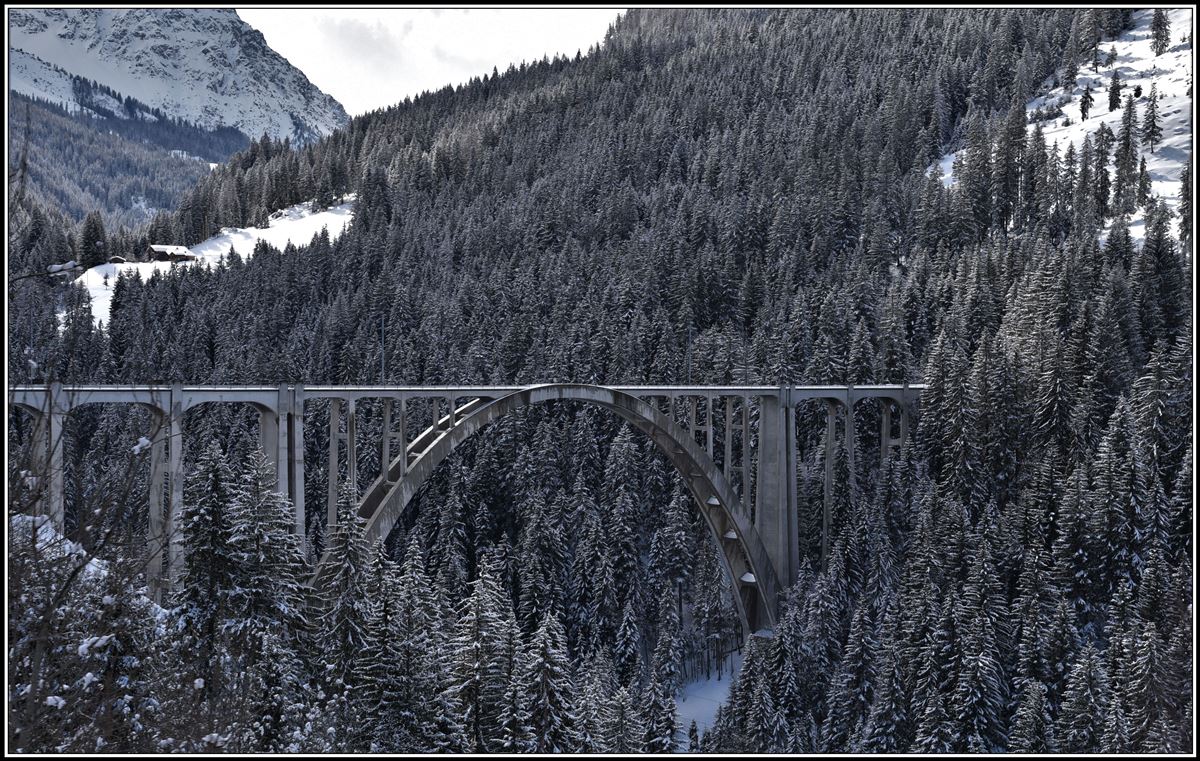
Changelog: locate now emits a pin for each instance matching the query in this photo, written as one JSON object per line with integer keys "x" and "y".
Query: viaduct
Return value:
{"x": 735, "y": 448}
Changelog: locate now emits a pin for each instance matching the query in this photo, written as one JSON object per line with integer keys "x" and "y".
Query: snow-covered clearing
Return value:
{"x": 699, "y": 700}
{"x": 1136, "y": 65}
{"x": 297, "y": 224}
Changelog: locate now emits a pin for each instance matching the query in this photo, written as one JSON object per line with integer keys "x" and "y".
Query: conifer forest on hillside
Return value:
{"x": 995, "y": 203}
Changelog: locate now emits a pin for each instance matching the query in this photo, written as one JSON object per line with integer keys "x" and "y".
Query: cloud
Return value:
{"x": 369, "y": 58}
{"x": 456, "y": 60}
{"x": 369, "y": 44}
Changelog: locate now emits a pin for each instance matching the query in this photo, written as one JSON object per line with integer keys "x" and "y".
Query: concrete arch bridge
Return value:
{"x": 735, "y": 448}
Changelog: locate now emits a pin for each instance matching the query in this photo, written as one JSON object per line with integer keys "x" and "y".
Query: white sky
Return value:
{"x": 368, "y": 58}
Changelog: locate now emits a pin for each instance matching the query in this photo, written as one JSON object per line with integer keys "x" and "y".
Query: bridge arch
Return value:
{"x": 752, "y": 575}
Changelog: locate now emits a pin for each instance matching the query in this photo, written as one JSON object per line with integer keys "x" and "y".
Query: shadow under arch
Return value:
{"x": 743, "y": 552}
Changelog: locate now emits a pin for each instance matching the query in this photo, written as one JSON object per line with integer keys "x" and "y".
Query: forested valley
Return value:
{"x": 710, "y": 197}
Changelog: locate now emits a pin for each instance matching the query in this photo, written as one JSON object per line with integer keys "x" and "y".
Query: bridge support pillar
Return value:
{"x": 174, "y": 538}
{"x": 295, "y": 455}
{"x": 336, "y": 413}
{"x": 851, "y": 443}
{"x": 395, "y": 440}
{"x": 888, "y": 442}
{"x": 335, "y": 422}
{"x": 55, "y": 423}
{"x": 775, "y": 503}
{"x": 155, "y": 531}
{"x": 827, "y": 506}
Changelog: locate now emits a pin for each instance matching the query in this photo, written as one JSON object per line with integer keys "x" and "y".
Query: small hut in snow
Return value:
{"x": 170, "y": 254}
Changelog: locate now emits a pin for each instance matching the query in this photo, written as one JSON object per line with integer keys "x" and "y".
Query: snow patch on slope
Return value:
{"x": 699, "y": 700}
{"x": 297, "y": 224}
{"x": 1136, "y": 65}
{"x": 31, "y": 75}
{"x": 51, "y": 544}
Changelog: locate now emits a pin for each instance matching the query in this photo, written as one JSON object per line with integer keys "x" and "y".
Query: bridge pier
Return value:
{"x": 352, "y": 454}
{"x": 775, "y": 510}
{"x": 52, "y": 428}
{"x": 295, "y": 459}
{"x": 155, "y": 528}
{"x": 175, "y": 505}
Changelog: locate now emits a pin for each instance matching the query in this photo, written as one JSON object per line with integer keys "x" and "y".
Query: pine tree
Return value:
{"x": 1144, "y": 188}
{"x": 347, "y": 606}
{"x": 627, "y": 649}
{"x": 1185, "y": 205}
{"x": 546, "y": 675}
{"x": 93, "y": 241}
{"x": 1085, "y": 103}
{"x": 270, "y": 588}
{"x": 204, "y": 599}
{"x": 1160, "y": 32}
{"x": 623, "y": 731}
{"x": 659, "y": 720}
{"x": 765, "y": 726}
{"x": 1033, "y": 727}
{"x": 514, "y": 734}
{"x": 1114, "y": 92}
{"x": 1143, "y": 693}
{"x": 1151, "y": 129}
{"x": 1125, "y": 160}
{"x": 1073, "y": 50}
{"x": 477, "y": 681}
{"x": 592, "y": 705}
{"x": 1081, "y": 719}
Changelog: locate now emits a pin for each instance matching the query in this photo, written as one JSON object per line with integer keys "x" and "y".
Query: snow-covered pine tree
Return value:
{"x": 546, "y": 675}
{"x": 1160, "y": 32}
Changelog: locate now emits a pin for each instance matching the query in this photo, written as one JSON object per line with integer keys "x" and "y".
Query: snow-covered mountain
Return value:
{"x": 203, "y": 65}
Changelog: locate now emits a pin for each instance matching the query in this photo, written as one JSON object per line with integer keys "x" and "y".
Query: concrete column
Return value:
{"x": 791, "y": 453}
{"x": 56, "y": 478}
{"x": 851, "y": 442}
{"x": 693, "y": 413}
{"x": 708, "y": 426}
{"x": 885, "y": 431}
{"x": 774, "y": 511}
{"x": 746, "y": 454}
{"x": 296, "y": 458}
{"x": 351, "y": 448}
{"x": 827, "y": 514}
{"x": 155, "y": 533}
{"x": 280, "y": 444}
{"x": 385, "y": 442}
{"x": 175, "y": 504}
{"x": 39, "y": 449}
{"x": 335, "y": 421}
{"x": 404, "y": 435}
{"x": 727, "y": 463}
{"x": 272, "y": 437}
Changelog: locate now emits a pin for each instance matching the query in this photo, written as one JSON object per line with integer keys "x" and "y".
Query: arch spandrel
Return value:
{"x": 752, "y": 577}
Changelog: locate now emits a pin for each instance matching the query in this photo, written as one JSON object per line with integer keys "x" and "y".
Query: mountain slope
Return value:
{"x": 125, "y": 169}
{"x": 204, "y": 65}
{"x": 1057, "y": 109}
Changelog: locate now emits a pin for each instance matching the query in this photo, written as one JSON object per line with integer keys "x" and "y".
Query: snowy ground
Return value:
{"x": 50, "y": 543}
{"x": 699, "y": 701}
{"x": 1136, "y": 65}
{"x": 297, "y": 225}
